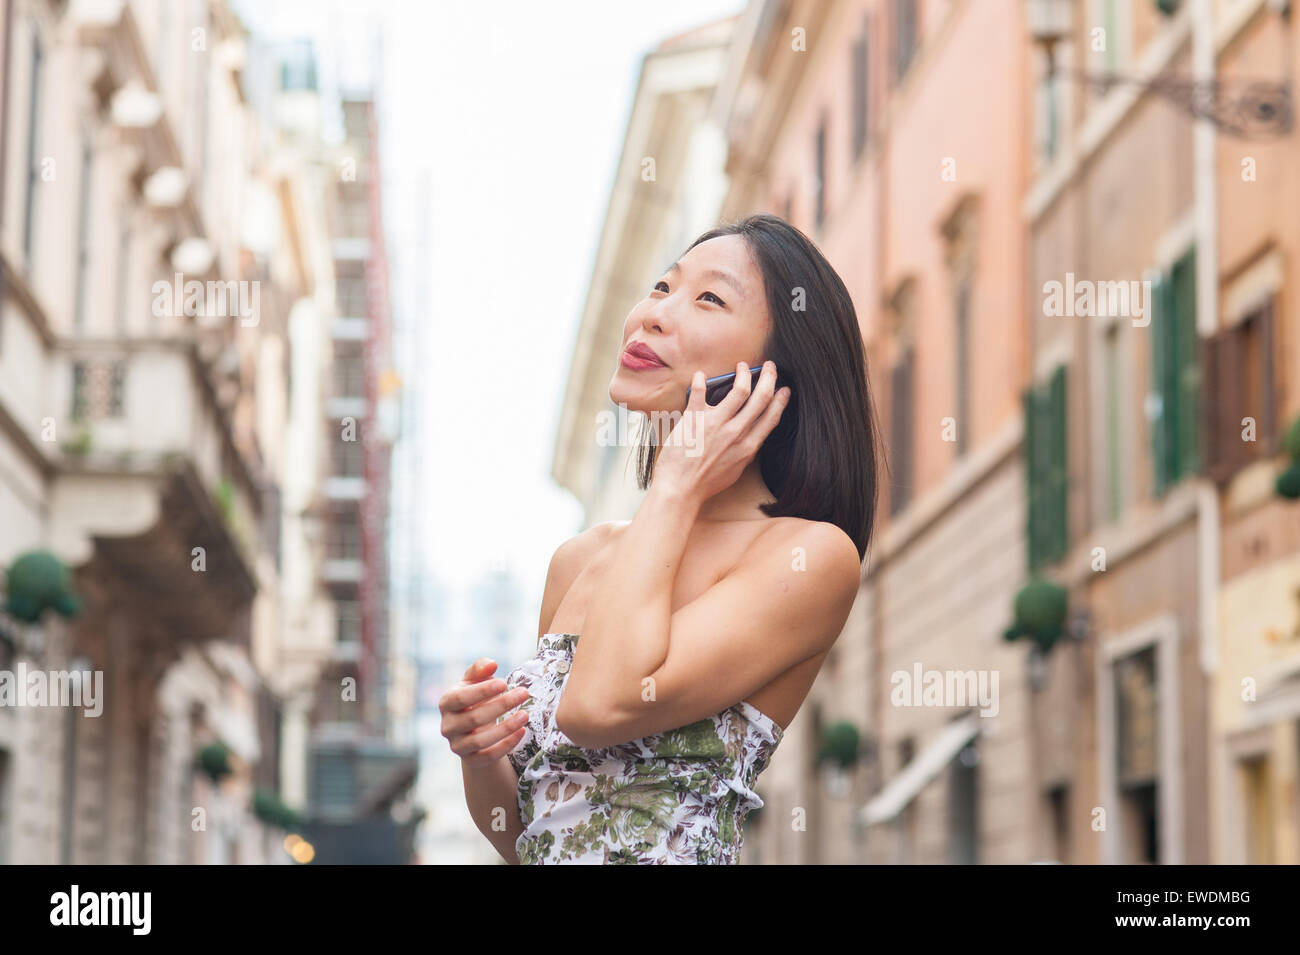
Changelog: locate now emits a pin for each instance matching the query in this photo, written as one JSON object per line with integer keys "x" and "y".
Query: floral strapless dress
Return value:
{"x": 672, "y": 798}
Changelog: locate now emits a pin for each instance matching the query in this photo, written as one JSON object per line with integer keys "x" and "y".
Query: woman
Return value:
{"x": 705, "y": 619}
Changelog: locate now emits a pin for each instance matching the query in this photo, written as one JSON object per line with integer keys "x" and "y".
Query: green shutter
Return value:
{"x": 1031, "y": 485}
{"x": 1057, "y": 475}
{"x": 1159, "y": 336}
{"x": 1185, "y": 383}
{"x": 1046, "y": 472}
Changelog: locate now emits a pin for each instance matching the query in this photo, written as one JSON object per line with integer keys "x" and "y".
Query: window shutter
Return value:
{"x": 1057, "y": 474}
{"x": 1186, "y": 383}
{"x": 1267, "y": 413}
{"x": 1160, "y": 320}
{"x": 1233, "y": 452}
{"x": 1031, "y": 478}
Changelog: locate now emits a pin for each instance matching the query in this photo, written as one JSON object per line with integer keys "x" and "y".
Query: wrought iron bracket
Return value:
{"x": 1240, "y": 107}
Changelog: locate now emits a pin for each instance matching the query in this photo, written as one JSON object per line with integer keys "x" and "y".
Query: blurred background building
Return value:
{"x": 206, "y": 475}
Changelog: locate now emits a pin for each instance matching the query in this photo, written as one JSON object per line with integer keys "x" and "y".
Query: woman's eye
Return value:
{"x": 712, "y": 296}
{"x": 659, "y": 283}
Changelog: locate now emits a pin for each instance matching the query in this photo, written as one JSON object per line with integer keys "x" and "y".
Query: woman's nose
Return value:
{"x": 657, "y": 317}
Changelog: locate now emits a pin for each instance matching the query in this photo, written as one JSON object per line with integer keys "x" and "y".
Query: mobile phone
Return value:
{"x": 716, "y": 388}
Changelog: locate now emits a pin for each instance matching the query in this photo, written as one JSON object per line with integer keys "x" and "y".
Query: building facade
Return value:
{"x": 159, "y": 249}
{"x": 1073, "y": 292}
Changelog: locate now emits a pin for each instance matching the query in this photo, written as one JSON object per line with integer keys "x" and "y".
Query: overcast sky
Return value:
{"x": 516, "y": 110}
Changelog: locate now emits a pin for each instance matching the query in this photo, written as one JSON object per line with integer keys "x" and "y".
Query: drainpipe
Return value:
{"x": 1204, "y": 142}
{"x": 1207, "y": 322}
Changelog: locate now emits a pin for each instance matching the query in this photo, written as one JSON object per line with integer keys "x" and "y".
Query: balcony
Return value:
{"x": 349, "y": 329}
{"x": 342, "y": 564}
{"x": 355, "y": 249}
{"x": 151, "y": 504}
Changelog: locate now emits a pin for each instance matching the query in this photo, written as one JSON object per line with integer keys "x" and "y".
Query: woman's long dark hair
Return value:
{"x": 821, "y": 459}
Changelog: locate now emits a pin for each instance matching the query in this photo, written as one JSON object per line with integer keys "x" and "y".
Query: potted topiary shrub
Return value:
{"x": 213, "y": 761}
{"x": 272, "y": 810}
{"x": 839, "y": 745}
{"x": 38, "y": 581}
{"x": 1040, "y": 612}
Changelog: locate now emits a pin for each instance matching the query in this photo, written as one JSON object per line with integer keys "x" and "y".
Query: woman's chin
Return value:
{"x": 634, "y": 400}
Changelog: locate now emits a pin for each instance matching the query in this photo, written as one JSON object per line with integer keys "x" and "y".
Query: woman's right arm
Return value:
{"x": 492, "y": 783}
{"x": 492, "y": 795}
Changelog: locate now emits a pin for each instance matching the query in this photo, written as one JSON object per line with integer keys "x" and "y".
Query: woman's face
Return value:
{"x": 707, "y": 314}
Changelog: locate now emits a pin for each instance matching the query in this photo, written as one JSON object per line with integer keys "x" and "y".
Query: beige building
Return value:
{"x": 143, "y": 428}
{"x": 667, "y": 188}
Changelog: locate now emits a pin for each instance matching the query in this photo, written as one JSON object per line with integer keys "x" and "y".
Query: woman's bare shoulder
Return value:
{"x": 828, "y": 543}
{"x": 574, "y": 554}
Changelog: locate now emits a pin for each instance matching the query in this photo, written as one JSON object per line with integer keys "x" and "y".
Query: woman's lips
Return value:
{"x": 637, "y": 363}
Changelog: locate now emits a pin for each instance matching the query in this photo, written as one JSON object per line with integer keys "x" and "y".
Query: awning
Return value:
{"x": 902, "y": 789}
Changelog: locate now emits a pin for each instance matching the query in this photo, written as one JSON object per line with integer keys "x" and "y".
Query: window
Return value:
{"x": 961, "y": 317}
{"x": 164, "y": 42}
{"x": 901, "y": 424}
{"x": 349, "y": 373}
{"x": 346, "y": 459}
{"x": 1114, "y": 433}
{"x": 1110, "y": 25}
{"x": 98, "y": 389}
{"x": 861, "y": 91}
{"x": 298, "y": 67}
{"x": 904, "y": 36}
{"x": 1047, "y": 104}
{"x": 1175, "y": 375}
{"x": 33, "y": 146}
{"x": 959, "y": 234}
{"x": 344, "y": 536}
{"x": 123, "y": 269}
{"x": 351, "y": 294}
{"x": 1137, "y": 754}
{"x": 1239, "y": 384}
{"x": 1058, "y": 802}
{"x": 272, "y": 514}
{"x": 83, "y": 231}
{"x": 348, "y": 615}
{"x": 1115, "y": 17}
{"x": 905, "y": 822}
{"x": 199, "y": 146}
{"x": 353, "y": 217}
{"x": 820, "y": 184}
{"x": 1261, "y": 819}
{"x": 1046, "y": 471}
{"x": 963, "y": 808}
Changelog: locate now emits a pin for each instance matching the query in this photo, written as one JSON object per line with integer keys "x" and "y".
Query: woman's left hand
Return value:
{"x": 711, "y": 445}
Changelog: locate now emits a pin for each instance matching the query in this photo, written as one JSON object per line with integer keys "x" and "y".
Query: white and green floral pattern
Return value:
{"x": 677, "y": 797}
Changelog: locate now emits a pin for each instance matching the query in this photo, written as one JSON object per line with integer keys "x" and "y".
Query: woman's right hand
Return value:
{"x": 469, "y": 715}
